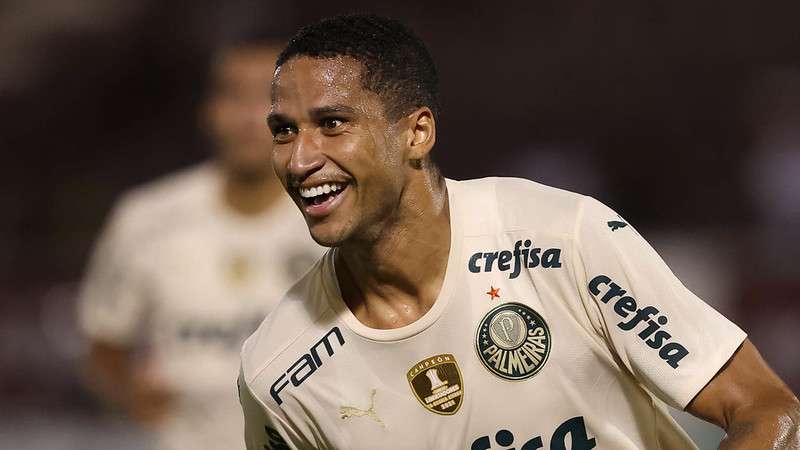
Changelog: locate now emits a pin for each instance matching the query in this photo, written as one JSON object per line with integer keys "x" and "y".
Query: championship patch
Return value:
{"x": 437, "y": 384}
{"x": 513, "y": 341}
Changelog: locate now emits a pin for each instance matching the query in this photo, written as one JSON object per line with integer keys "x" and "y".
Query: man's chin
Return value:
{"x": 326, "y": 236}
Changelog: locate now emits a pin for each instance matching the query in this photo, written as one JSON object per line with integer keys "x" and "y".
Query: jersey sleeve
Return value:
{"x": 112, "y": 306}
{"x": 265, "y": 429}
{"x": 668, "y": 338}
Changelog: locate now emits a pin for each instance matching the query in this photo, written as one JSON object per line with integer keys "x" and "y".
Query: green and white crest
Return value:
{"x": 513, "y": 341}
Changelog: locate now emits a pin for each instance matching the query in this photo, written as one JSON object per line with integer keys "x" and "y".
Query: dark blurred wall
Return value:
{"x": 654, "y": 87}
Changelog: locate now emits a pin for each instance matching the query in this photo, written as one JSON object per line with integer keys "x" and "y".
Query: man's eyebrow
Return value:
{"x": 273, "y": 118}
{"x": 332, "y": 109}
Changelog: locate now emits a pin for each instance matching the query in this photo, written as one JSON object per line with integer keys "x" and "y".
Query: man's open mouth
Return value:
{"x": 321, "y": 194}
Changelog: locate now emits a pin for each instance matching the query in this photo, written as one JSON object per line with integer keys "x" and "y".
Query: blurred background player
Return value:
{"x": 188, "y": 265}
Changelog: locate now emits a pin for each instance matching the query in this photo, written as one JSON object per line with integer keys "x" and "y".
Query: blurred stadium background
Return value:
{"x": 685, "y": 117}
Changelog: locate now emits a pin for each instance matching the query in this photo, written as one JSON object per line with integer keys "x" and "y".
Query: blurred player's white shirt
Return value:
{"x": 178, "y": 272}
{"x": 558, "y": 361}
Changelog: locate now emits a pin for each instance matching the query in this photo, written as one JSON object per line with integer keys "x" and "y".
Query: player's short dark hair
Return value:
{"x": 397, "y": 65}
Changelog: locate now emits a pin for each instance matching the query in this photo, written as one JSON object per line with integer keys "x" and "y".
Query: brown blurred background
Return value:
{"x": 684, "y": 117}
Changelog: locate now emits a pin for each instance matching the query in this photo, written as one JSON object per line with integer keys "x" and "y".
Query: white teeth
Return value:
{"x": 326, "y": 188}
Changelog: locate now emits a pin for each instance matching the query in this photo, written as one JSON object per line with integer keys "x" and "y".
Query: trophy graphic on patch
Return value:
{"x": 436, "y": 383}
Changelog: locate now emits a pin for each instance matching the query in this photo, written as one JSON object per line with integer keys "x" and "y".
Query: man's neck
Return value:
{"x": 250, "y": 196}
{"x": 393, "y": 280}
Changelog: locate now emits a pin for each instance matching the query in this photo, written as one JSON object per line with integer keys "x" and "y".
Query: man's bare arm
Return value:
{"x": 124, "y": 383}
{"x": 751, "y": 403}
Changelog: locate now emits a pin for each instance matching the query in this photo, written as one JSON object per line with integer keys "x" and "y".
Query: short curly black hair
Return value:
{"x": 397, "y": 65}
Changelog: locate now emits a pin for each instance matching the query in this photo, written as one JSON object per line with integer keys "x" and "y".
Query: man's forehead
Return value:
{"x": 324, "y": 79}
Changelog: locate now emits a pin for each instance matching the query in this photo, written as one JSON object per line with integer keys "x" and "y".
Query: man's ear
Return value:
{"x": 422, "y": 136}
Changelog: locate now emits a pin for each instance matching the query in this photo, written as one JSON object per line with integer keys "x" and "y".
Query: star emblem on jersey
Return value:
{"x": 346, "y": 412}
{"x": 494, "y": 292}
{"x": 437, "y": 384}
{"x": 513, "y": 341}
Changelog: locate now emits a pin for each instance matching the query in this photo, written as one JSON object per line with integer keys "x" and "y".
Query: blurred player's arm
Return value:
{"x": 753, "y": 405}
{"x": 107, "y": 367}
{"x": 124, "y": 382}
{"x": 111, "y": 314}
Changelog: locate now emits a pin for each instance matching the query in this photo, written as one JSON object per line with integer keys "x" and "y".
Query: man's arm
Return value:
{"x": 751, "y": 403}
{"x": 126, "y": 383}
{"x": 112, "y": 310}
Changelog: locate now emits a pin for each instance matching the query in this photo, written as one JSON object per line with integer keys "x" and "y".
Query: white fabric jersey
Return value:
{"x": 556, "y": 327}
{"x": 178, "y": 273}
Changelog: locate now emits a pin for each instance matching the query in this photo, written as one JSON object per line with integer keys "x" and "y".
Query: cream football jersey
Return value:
{"x": 557, "y": 327}
{"x": 177, "y": 273}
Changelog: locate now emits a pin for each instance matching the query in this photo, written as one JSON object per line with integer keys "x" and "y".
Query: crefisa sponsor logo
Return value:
{"x": 524, "y": 255}
{"x": 513, "y": 341}
{"x": 647, "y": 318}
{"x": 571, "y": 434}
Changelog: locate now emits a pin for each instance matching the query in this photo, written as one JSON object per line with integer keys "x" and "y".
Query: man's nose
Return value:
{"x": 307, "y": 156}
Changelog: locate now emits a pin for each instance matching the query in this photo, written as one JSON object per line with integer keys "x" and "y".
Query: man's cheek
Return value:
{"x": 279, "y": 165}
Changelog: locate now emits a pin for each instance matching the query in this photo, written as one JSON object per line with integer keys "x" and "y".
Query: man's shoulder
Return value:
{"x": 302, "y": 316}
{"x": 169, "y": 190}
{"x": 172, "y": 198}
{"x": 518, "y": 203}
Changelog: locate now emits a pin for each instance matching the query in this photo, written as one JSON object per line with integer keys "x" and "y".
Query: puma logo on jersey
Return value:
{"x": 575, "y": 428}
{"x": 616, "y": 225}
{"x": 346, "y": 412}
{"x": 652, "y": 334}
{"x": 523, "y": 256}
{"x": 306, "y": 365}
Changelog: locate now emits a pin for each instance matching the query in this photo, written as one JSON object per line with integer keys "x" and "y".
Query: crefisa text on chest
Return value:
{"x": 524, "y": 255}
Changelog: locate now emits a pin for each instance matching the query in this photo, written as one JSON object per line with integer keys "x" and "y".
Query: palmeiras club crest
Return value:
{"x": 513, "y": 341}
{"x": 436, "y": 382}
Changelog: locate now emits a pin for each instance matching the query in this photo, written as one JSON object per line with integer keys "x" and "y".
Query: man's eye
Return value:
{"x": 282, "y": 131}
{"x": 332, "y": 124}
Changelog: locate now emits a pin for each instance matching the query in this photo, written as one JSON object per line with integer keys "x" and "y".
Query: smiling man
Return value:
{"x": 481, "y": 314}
